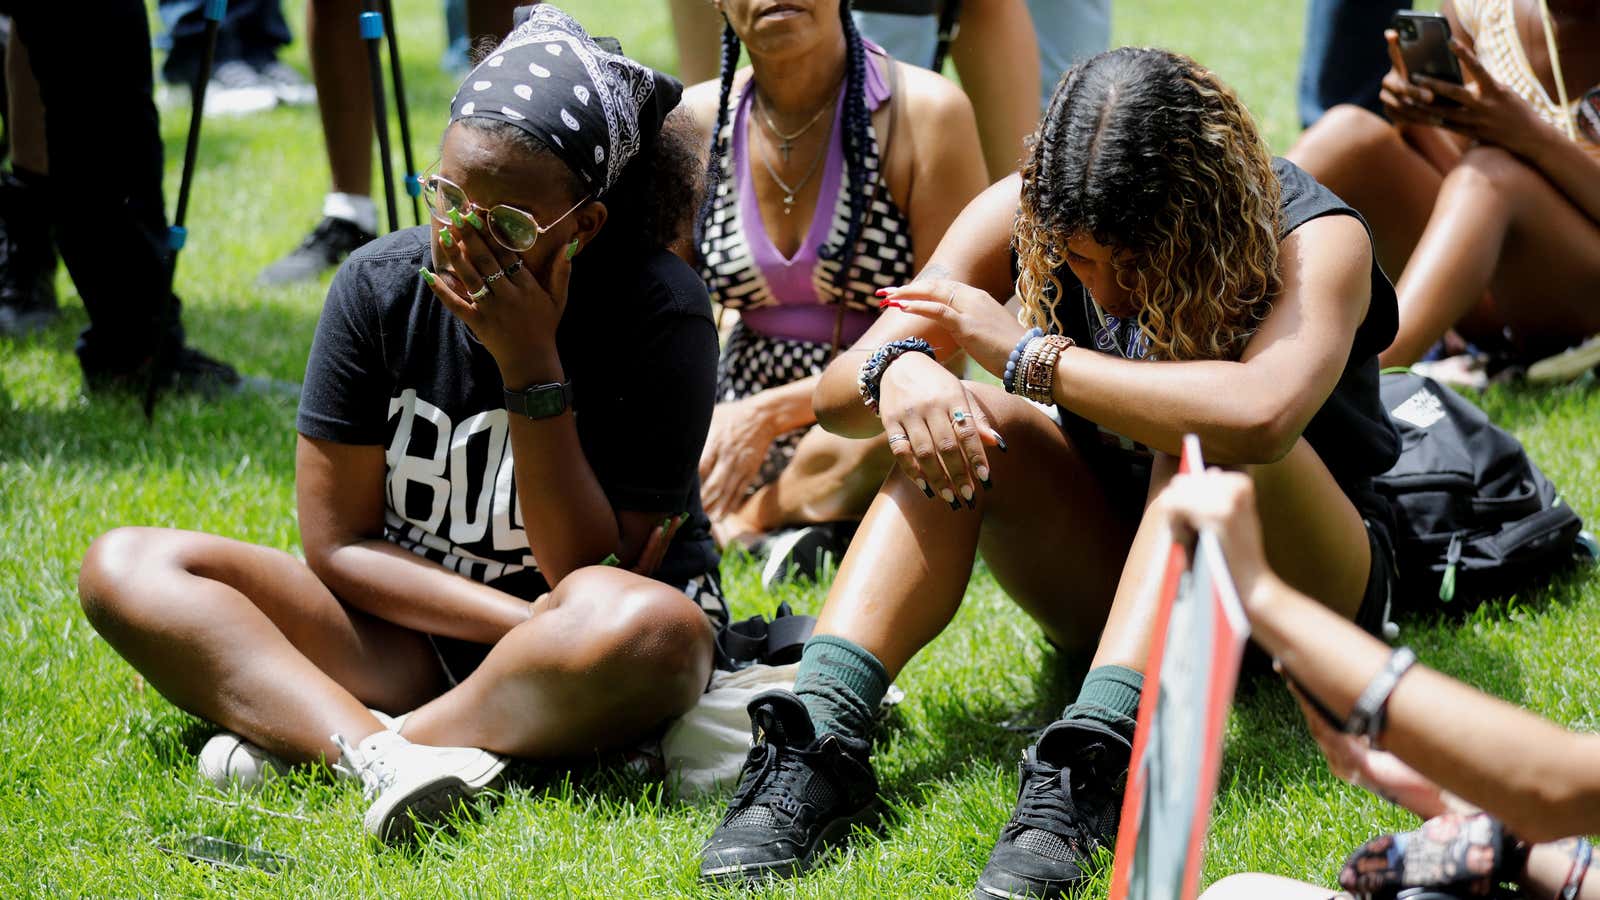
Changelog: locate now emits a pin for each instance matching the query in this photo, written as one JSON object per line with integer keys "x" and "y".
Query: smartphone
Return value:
{"x": 1425, "y": 47}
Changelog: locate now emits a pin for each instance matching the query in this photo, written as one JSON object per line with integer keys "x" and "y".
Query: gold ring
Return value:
{"x": 479, "y": 294}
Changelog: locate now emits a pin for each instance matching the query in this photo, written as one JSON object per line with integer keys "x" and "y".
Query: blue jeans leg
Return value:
{"x": 1345, "y": 58}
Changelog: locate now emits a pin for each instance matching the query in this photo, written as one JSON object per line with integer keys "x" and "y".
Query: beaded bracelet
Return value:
{"x": 1008, "y": 381}
{"x": 1036, "y": 376}
{"x": 871, "y": 373}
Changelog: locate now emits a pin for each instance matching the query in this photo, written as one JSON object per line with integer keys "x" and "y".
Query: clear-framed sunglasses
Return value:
{"x": 512, "y": 228}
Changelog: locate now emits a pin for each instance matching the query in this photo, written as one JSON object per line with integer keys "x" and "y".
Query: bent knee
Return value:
{"x": 1493, "y": 171}
{"x": 1344, "y": 134}
{"x": 643, "y": 626}
{"x": 112, "y": 568}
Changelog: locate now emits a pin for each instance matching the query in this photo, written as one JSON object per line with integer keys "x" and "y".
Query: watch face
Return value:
{"x": 544, "y": 401}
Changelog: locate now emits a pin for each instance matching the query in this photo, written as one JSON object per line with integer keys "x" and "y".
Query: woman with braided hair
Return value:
{"x": 1174, "y": 279}
{"x": 833, "y": 172}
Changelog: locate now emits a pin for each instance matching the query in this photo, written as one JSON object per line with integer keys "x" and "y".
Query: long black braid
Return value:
{"x": 857, "y": 122}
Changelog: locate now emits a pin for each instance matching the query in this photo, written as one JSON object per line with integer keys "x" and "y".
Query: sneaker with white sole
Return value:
{"x": 229, "y": 761}
{"x": 410, "y": 783}
{"x": 1567, "y": 365}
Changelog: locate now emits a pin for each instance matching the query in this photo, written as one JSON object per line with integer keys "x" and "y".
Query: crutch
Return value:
{"x": 372, "y": 34}
{"x": 413, "y": 184}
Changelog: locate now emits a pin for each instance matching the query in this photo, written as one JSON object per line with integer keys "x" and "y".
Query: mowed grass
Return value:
{"x": 97, "y": 774}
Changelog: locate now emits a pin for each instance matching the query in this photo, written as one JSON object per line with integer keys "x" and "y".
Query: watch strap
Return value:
{"x": 541, "y": 401}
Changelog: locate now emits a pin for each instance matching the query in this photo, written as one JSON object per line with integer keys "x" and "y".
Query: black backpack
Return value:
{"x": 1475, "y": 517}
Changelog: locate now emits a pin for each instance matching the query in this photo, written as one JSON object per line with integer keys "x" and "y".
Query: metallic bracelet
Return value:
{"x": 1036, "y": 374}
{"x": 1371, "y": 707}
{"x": 1582, "y": 855}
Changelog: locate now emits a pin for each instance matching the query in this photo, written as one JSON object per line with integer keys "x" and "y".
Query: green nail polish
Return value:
{"x": 446, "y": 239}
{"x": 455, "y": 216}
{"x": 427, "y": 276}
{"x": 572, "y": 249}
{"x": 476, "y": 222}
{"x": 610, "y": 560}
{"x": 684, "y": 517}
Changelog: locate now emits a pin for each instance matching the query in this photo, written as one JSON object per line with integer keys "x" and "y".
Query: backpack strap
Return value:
{"x": 758, "y": 640}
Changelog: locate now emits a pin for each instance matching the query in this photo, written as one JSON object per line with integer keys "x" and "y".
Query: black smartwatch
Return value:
{"x": 541, "y": 401}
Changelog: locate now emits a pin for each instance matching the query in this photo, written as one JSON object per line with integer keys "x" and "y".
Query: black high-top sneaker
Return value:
{"x": 1067, "y": 807}
{"x": 798, "y": 795}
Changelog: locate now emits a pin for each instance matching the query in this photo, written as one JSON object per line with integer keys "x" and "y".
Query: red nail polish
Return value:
{"x": 882, "y": 292}
{"x": 884, "y": 304}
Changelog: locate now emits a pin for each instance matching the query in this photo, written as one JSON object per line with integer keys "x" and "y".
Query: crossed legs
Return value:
{"x": 250, "y": 639}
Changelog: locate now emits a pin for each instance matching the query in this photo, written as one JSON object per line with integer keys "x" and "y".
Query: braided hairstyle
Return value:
{"x": 1149, "y": 153}
{"x": 857, "y": 121}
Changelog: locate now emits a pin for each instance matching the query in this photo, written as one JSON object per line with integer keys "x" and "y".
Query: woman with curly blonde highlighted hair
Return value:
{"x": 1174, "y": 279}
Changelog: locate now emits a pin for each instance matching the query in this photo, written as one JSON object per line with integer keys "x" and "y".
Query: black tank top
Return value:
{"x": 1351, "y": 432}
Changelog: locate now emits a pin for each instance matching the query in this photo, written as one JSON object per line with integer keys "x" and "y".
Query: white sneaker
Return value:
{"x": 409, "y": 783}
{"x": 229, "y": 761}
{"x": 1568, "y": 365}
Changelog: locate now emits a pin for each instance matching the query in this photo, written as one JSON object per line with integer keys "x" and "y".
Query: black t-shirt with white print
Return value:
{"x": 391, "y": 366}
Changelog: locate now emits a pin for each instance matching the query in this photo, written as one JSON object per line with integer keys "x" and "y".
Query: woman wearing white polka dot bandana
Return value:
{"x": 505, "y": 551}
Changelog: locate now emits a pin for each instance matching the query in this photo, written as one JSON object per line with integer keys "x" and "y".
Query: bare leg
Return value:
{"x": 605, "y": 657}
{"x": 1255, "y": 886}
{"x": 249, "y": 638}
{"x": 1364, "y": 159}
{"x": 697, "y": 26}
{"x": 1499, "y": 226}
{"x": 1315, "y": 541}
{"x": 344, "y": 92}
{"x": 995, "y": 52}
{"x": 25, "y": 115}
{"x": 1047, "y": 530}
{"x": 830, "y": 479}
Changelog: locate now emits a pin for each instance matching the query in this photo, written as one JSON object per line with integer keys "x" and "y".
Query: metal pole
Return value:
{"x": 413, "y": 184}
{"x": 372, "y": 34}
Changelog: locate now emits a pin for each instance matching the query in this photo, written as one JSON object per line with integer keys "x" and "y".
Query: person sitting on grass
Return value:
{"x": 1450, "y": 749}
{"x": 1188, "y": 283}
{"x": 822, "y": 189}
{"x": 457, "y": 515}
{"x": 1486, "y": 198}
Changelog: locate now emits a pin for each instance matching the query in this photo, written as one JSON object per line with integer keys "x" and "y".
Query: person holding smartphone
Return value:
{"x": 1483, "y": 197}
{"x": 1447, "y": 746}
{"x": 505, "y": 553}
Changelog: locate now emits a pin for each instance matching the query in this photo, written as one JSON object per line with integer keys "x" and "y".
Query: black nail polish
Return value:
{"x": 929, "y": 492}
{"x": 988, "y": 484}
{"x": 1000, "y": 442}
{"x": 955, "y": 505}
{"x": 972, "y": 504}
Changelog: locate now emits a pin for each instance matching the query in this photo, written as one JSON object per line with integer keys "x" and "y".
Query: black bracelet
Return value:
{"x": 871, "y": 373}
{"x": 1369, "y": 713}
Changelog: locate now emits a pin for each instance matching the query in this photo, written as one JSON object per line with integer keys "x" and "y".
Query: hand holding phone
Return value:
{"x": 1423, "y": 44}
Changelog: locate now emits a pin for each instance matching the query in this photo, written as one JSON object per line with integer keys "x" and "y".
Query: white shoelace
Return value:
{"x": 375, "y": 774}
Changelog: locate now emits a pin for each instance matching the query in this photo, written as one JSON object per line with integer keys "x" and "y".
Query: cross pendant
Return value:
{"x": 784, "y": 149}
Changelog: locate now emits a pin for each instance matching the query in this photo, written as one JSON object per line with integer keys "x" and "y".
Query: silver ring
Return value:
{"x": 958, "y": 416}
{"x": 898, "y": 437}
{"x": 514, "y": 268}
{"x": 479, "y": 294}
{"x": 494, "y": 277}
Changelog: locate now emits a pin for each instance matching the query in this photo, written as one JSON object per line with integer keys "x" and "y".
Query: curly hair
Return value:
{"x": 1148, "y": 153}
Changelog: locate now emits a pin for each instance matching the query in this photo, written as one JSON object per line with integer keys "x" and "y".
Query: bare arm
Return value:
{"x": 1542, "y": 780}
{"x": 1251, "y": 411}
{"x": 996, "y": 52}
{"x": 339, "y": 490}
{"x": 975, "y": 250}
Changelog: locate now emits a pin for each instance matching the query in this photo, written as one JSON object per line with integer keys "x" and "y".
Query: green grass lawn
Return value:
{"x": 97, "y": 771}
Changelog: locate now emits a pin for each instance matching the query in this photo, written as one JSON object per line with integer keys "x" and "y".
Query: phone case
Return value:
{"x": 1425, "y": 47}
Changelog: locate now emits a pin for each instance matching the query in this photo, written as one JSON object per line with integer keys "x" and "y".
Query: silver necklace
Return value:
{"x": 789, "y": 191}
{"x": 787, "y": 145}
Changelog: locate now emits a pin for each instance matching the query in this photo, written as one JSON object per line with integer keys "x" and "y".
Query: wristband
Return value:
{"x": 1036, "y": 376}
{"x": 1582, "y": 855}
{"x": 1371, "y": 707}
{"x": 1008, "y": 380}
{"x": 870, "y": 376}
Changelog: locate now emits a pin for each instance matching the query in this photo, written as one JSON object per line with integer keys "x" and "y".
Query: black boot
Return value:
{"x": 1067, "y": 808}
{"x": 27, "y": 258}
{"x": 798, "y": 794}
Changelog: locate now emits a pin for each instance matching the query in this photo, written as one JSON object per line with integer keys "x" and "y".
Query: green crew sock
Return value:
{"x": 841, "y": 684}
{"x": 1110, "y": 696}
